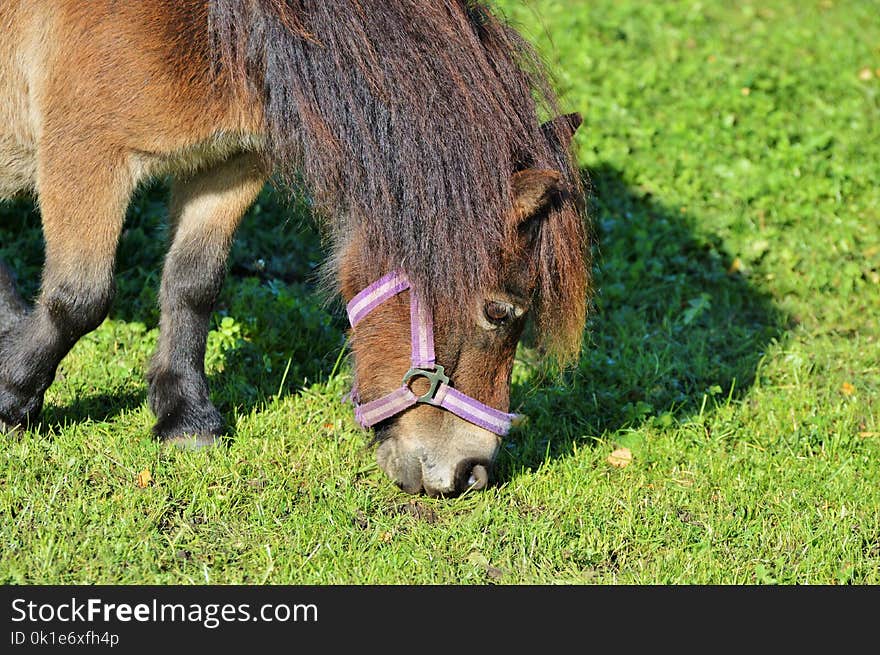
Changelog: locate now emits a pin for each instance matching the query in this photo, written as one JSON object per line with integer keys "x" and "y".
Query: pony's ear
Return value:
{"x": 562, "y": 128}
{"x": 533, "y": 189}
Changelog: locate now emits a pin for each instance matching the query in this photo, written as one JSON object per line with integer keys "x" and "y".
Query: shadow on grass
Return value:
{"x": 99, "y": 407}
{"x": 674, "y": 322}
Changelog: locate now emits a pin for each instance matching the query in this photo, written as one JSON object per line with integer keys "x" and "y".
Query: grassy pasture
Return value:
{"x": 733, "y": 351}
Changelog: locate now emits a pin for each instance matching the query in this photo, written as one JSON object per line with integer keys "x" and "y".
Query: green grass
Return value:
{"x": 733, "y": 153}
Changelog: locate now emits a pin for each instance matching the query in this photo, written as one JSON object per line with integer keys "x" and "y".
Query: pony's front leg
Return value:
{"x": 205, "y": 212}
{"x": 82, "y": 197}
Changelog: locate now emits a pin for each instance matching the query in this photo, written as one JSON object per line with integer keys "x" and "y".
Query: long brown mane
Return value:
{"x": 406, "y": 120}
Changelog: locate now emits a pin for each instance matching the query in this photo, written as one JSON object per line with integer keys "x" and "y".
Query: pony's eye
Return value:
{"x": 498, "y": 312}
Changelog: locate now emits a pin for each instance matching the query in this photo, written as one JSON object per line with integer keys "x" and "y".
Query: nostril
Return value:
{"x": 478, "y": 478}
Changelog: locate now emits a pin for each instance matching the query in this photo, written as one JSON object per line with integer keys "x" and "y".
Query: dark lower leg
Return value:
{"x": 179, "y": 394}
{"x": 34, "y": 342}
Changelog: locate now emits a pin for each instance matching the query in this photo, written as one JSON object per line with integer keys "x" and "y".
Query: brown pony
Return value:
{"x": 413, "y": 126}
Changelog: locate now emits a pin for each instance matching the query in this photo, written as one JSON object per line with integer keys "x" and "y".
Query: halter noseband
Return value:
{"x": 440, "y": 393}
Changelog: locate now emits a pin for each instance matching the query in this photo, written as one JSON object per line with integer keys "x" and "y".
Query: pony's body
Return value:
{"x": 130, "y": 91}
{"x": 407, "y": 144}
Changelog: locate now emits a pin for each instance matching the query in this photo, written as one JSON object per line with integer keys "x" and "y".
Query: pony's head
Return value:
{"x": 454, "y": 214}
{"x": 433, "y": 377}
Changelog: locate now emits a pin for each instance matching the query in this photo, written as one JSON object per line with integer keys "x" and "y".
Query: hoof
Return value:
{"x": 193, "y": 441}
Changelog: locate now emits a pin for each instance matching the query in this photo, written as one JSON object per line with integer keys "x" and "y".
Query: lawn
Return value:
{"x": 732, "y": 358}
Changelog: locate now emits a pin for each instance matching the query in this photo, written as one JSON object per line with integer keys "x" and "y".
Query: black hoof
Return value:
{"x": 17, "y": 410}
{"x": 191, "y": 429}
{"x": 185, "y": 416}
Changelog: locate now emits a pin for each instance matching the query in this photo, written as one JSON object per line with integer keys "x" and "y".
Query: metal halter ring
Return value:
{"x": 436, "y": 377}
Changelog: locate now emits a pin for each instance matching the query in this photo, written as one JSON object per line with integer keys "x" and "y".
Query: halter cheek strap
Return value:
{"x": 440, "y": 393}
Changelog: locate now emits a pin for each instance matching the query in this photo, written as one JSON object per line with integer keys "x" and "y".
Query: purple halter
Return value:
{"x": 440, "y": 393}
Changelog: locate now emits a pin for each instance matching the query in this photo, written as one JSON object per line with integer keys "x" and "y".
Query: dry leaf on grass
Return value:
{"x": 620, "y": 458}
{"x": 144, "y": 478}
